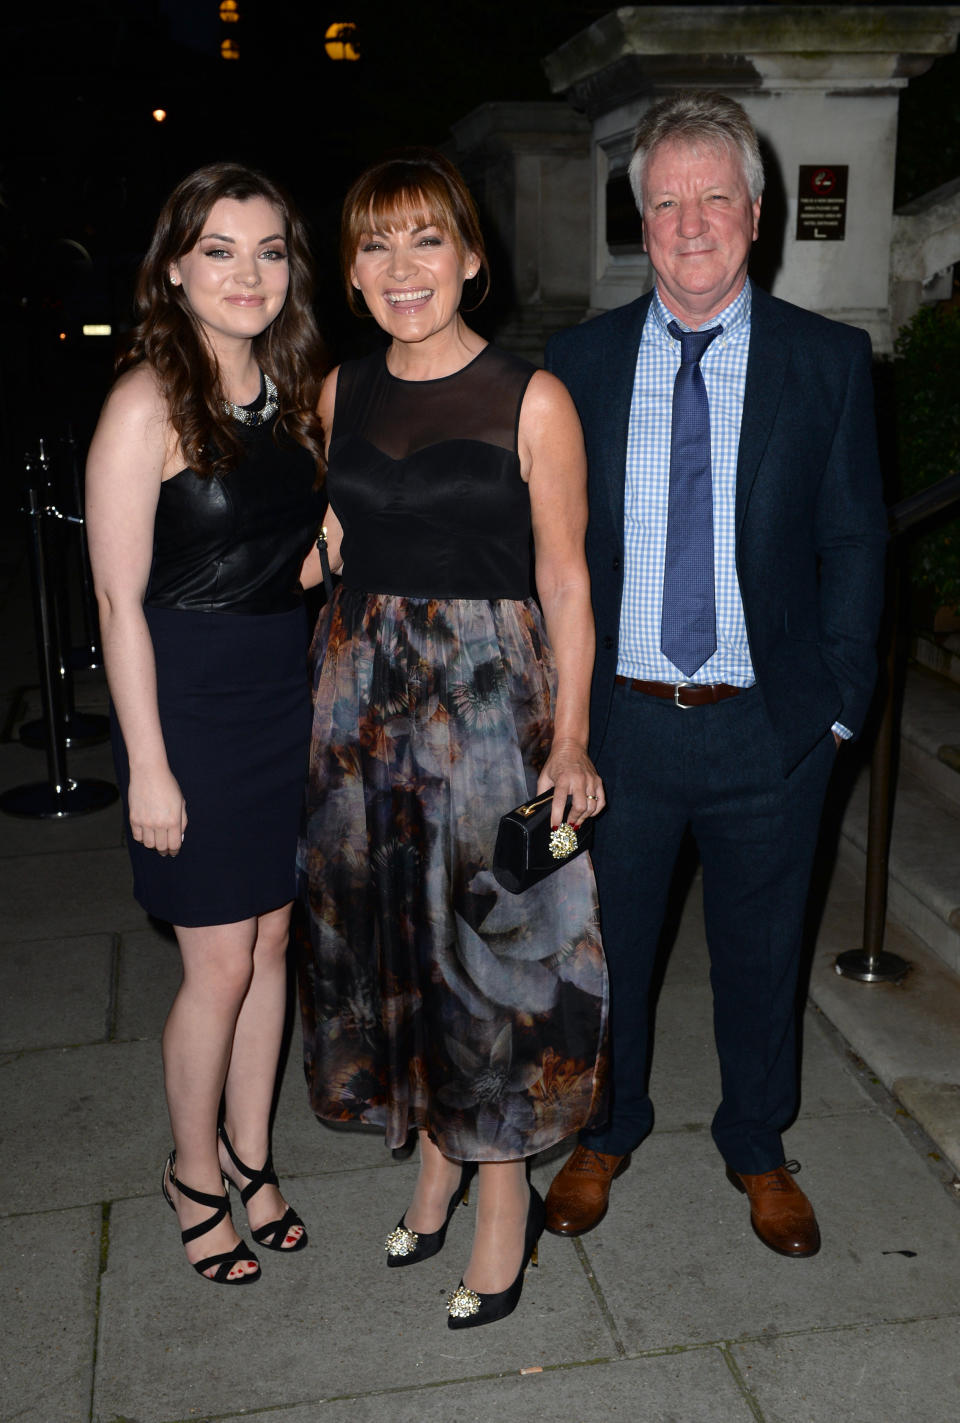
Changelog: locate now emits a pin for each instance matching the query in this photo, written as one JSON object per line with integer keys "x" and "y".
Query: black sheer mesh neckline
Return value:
{"x": 435, "y": 380}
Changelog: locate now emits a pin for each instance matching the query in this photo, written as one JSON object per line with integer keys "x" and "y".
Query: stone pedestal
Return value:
{"x": 821, "y": 84}
{"x": 528, "y": 167}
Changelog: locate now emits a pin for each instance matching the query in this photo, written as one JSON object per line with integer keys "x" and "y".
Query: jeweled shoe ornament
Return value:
{"x": 408, "y": 1247}
{"x": 466, "y": 1309}
{"x": 401, "y": 1242}
{"x": 461, "y": 1302}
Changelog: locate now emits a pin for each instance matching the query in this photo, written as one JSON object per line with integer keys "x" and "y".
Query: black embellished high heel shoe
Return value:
{"x": 409, "y": 1247}
{"x": 220, "y": 1205}
{"x": 273, "y": 1235}
{"x": 467, "y": 1309}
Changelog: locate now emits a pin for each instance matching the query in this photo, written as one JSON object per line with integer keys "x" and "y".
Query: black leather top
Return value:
{"x": 424, "y": 476}
{"x": 235, "y": 543}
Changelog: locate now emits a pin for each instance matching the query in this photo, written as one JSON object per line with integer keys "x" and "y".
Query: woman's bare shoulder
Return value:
{"x": 135, "y": 413}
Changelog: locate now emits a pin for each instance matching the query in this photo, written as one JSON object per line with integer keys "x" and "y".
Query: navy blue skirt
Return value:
{"x": 235, "y": 712}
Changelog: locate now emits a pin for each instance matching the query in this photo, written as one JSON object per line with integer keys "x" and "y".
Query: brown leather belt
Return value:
{"x": 682, "y": 694}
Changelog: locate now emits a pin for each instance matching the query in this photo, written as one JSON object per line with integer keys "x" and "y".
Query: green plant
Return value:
{"x": 926, "y": 383}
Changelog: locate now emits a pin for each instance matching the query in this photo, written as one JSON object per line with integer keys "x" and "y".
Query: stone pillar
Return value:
{"x": 528, "y": 167}
{"x": 821, "y": 84}
{"x": 925, "y": 249}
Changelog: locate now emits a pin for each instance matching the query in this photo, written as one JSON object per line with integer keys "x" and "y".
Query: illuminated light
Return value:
{"x": 159, "y": 115}
{"x": 229, "y": 49}
{"x": 97, "y": 329}
{"x": 229, "y": 12}
{"x": 63, "y": 335}
{"x": 341, "y": 40}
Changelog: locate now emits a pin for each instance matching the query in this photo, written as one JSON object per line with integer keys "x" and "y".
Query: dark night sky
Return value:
{"x": 84, "y": 163}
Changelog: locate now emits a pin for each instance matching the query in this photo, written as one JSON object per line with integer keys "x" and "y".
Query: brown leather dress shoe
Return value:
{"x": 780, "y": 1213}
{"x": 580, "y": 1192}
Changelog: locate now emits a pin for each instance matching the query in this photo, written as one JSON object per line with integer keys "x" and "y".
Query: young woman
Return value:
{"x": 201, "y": 507}
{"x": 434, "y": 1000}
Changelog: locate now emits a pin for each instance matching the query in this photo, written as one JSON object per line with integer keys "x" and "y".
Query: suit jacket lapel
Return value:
{"x": 617, "y": 399}
{"x": 766, "y": 370}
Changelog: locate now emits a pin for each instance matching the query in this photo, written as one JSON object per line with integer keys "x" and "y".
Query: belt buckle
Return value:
{"x": 678, "y": 686}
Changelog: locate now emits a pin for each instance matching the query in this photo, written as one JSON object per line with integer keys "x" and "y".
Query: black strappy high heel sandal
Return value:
{"x": 467, "y": 1309}
{"x": 272, "y": 1235}
{"x": 408, "y": 1247}
{"x": 220, "y": 1205}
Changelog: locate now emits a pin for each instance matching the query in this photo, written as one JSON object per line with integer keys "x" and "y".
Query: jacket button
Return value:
{"x": 607, "y": 640}
{"x": 614, "y": 563}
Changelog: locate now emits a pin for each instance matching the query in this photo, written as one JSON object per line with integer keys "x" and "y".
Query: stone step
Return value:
{"x": 940, "y": 654}
{"x": 930, "y": 731}
{"x": 924, "y": 860}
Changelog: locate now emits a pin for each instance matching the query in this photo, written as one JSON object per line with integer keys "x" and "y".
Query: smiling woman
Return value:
{"x": 201, "y": 508}
{"x": 433, "y": 1002}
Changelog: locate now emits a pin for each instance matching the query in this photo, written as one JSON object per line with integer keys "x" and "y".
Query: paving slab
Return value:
{"x": 678, "y": 1264}
{"x": 924, "y": 882}
{"x": 886, "y": 1373}
{"x": 100, "y": 830}
{"x": 936, "y": 1106}
{"x": 331, "y": 1320}
{"x": 62, "y": 893}
{"x": 695, "y": 1386}
{"x": 827, "y": 1088}
{"x": 909, "y": 1032}
{"x": 49, "y": 1273}
{"x": 148, "y": 977}
{"x": 685, "y": 1073}
{"x": 97, "y": 1111}
{"x": 55, "y": 991}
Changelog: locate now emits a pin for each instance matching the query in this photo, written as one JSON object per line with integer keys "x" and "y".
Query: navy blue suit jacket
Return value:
{"x": 810, "y": 519}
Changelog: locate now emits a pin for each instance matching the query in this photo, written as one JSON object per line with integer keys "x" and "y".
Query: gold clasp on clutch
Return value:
{"x": 533, "y": 805}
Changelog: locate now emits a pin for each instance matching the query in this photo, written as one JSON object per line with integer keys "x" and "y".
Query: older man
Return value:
{"x": 736, "y": 550}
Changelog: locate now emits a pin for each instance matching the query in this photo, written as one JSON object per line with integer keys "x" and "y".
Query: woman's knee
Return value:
{"x": 273, "y": 934}
{"x": 219, "y": 964}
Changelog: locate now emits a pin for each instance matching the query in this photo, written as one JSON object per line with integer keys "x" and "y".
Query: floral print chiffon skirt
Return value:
{"x": 431, "y": 997}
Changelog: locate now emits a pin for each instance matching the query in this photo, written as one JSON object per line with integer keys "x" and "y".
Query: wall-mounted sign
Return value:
{"x": 822, "y": 202}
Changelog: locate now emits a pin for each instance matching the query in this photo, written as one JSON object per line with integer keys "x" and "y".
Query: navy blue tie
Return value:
{"x": 688, "y": 631}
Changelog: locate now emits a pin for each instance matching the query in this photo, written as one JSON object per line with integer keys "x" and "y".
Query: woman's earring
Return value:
{"x": 174, "y": 279}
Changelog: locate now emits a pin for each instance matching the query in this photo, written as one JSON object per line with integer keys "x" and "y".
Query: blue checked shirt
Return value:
{"x": 724, "y": 369}
{"x": 646, "y": 498}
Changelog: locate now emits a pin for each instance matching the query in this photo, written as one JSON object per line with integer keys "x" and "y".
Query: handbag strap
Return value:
{"x": 325, "y": 561}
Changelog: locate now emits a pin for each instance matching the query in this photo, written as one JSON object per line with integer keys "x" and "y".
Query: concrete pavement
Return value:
{"x": 670, "y": 1311}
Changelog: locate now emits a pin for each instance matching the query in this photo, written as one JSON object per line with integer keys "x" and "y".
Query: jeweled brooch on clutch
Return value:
{"x": 463, "y": 1302}
{"x": 401, "y": 1241}
{"x": 563, "y": 841}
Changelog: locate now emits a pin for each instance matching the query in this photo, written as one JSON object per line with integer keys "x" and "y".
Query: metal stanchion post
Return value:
{"x": 872, "y": 963}
{"x": 79, "y": 728}
{"x": 58, "y": 797}
{"x": 88, "y": 654}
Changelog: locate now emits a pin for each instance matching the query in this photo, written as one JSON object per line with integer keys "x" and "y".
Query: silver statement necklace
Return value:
{"x": 256, "y": 417}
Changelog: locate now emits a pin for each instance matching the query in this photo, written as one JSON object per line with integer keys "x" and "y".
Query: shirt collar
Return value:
{"x": 734, "y": 318}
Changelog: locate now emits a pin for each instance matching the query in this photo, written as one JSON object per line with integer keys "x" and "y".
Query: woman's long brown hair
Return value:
{"x": 170, "y": 339}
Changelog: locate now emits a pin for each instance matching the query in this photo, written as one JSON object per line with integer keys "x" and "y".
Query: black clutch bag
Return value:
{"x": 527, "y": 849}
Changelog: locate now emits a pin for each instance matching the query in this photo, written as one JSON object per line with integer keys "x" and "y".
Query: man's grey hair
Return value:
{"x": 700, "y": 118}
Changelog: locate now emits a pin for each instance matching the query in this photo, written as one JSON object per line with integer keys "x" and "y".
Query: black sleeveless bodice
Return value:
{"x": 424, "y": 476}
{"x": 235, "y": 543}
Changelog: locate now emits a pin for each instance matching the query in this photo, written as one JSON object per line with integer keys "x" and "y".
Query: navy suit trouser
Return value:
{"x": 715, "y": 770}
